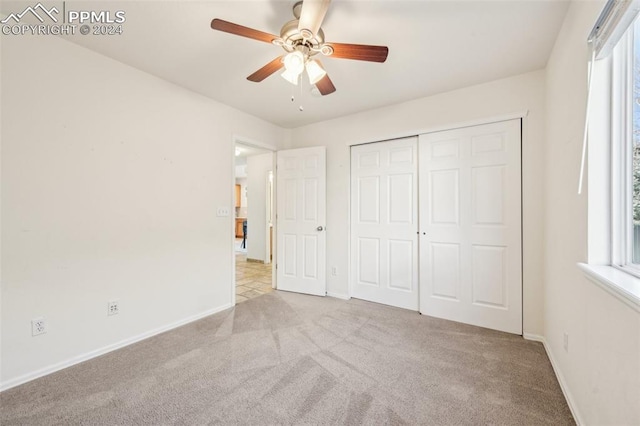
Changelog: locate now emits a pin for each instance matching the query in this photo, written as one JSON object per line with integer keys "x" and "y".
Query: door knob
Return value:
{"x": 319, "y": 228}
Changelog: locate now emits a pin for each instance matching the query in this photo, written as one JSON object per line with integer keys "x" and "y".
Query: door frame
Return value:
{"x": 237, "y": 139}
{"x": 522, "y": 115}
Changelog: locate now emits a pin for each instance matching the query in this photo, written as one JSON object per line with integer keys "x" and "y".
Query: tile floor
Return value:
{"x": 252, "y": 279}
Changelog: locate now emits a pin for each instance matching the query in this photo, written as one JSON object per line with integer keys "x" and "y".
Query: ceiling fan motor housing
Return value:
{"x": 292, "y": 37}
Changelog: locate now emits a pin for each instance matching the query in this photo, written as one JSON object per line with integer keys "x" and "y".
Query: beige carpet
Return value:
{"x": 284, "y": 358}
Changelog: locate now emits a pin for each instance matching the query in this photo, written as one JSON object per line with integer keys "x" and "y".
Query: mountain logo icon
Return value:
{"x": 39, "y": 11}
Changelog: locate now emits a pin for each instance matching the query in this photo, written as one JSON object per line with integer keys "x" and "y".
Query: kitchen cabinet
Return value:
{"x": 238, "y": 195}
{"x": 239, "y": 221}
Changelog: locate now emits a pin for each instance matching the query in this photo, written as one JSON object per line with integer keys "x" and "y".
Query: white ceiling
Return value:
{"x": 434, "y": 46}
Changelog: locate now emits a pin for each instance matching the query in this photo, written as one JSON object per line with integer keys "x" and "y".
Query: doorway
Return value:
{"x": 253, "y": 222}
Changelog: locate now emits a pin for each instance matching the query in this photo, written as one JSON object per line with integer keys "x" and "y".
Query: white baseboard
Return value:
{"x": 556, "y": 369}
{"x": 338, "y": 295}
{"x": 106, "y": 349}
{"x": 533, "y": 337}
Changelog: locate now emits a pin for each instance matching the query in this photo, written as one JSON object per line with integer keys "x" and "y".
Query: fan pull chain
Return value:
{"x": 293, "y": 93}
{"x": 300, "y": 108}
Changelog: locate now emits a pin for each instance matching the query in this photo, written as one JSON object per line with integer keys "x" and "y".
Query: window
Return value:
{"x": 614, "y": 153}
{"x": 625, "y": 146}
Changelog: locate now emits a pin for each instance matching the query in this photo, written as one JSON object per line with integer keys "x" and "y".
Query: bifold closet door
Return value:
{"x": 384, "y": 222}
{"x": 470, "y": 225}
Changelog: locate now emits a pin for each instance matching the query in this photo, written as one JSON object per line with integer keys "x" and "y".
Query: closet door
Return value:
{"x": 384, "y": 223}
{"x": 470, "y": 225}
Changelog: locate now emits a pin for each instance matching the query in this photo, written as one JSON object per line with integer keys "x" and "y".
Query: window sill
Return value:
{"x": 618, "y": 283}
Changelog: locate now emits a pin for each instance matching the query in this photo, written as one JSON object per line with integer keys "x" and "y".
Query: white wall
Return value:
{"x": 258, "y": 168}
{"x": 486, "y": 101}
{"x": 110, "y": 183}
{"x": 601, "y": 370}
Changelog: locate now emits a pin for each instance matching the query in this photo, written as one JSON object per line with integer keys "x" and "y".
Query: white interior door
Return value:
{"x": 384, "y": 222}
{"x": 470, "y": 225}
{"x": 301, "y": 216}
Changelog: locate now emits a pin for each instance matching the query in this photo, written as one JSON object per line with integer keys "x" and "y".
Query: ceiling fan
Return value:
{"x": 302, "y": 39}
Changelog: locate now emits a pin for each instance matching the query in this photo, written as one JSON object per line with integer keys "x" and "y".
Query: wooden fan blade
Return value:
{"x": 312, "y": 15}
{"x": 231, "y": 28}
{"x": 360, "y": 52}
{"x": 325, "y": 85}
{"x": 267, "y": 70}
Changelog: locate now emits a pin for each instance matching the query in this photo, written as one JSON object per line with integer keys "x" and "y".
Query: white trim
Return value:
{"x": 106, "y": 349}
{"x": 599, "y": 163}
{"x": 619, "y": 284}
{"x": 444, "y": 127}
{"x": 268, "y": 203}
{"x": 274, "y": 224}
{"x": 233, "y": 221}
{"x": 339, "y": 295}
{"x": 561, "y": 380}
{"x": 349, "y": 190}
{"x": 251, "y": 142}
{"x": 533, "y": 337}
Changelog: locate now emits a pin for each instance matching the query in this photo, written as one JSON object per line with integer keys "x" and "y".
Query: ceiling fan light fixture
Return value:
{"x": 291, "y": 77}
{"x": 294, "y": 62}
{"x": 315, "y": 71}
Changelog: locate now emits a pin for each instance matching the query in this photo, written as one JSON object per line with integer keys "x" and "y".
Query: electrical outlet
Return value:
{"x": 334, "y": 271}
{"x": 38, "y": 326}
{"x": 222, "y": 212}
{"x": 113, "y": 307}
{"x": 565, "y": 342}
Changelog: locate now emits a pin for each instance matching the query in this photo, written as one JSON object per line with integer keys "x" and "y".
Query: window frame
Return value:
{"x": 610, "y": 196}
{"x": 622, "y": 85}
